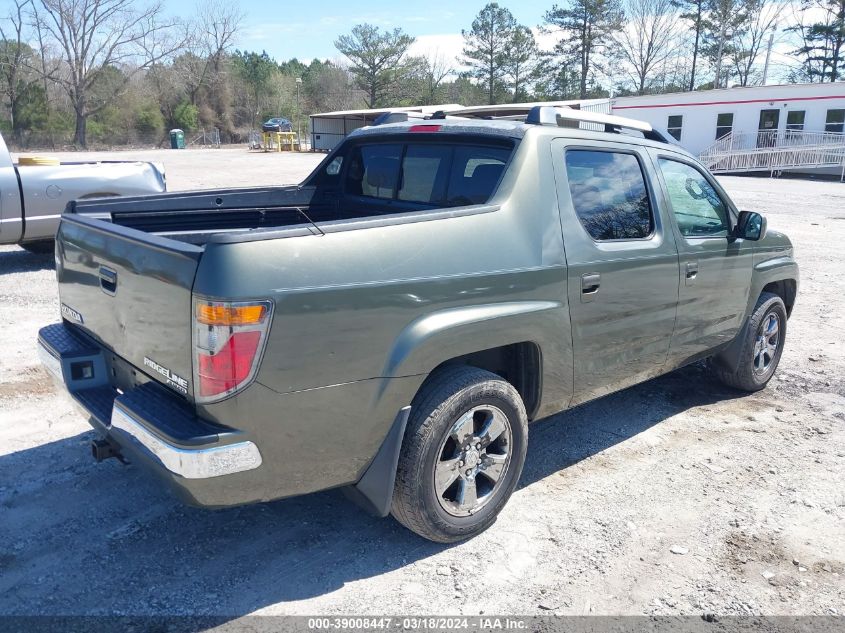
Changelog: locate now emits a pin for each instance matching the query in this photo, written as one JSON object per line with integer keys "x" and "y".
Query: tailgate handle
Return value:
{"x": 108, "y": 280}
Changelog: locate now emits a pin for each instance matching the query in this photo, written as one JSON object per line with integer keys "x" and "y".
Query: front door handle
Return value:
{"x": 691, "y": 272}
{"x": 590, "y": 283}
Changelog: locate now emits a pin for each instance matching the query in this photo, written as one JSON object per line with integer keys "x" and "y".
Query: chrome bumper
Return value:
{"x": 194, "y": 463}
{"x": 200, "y": 463}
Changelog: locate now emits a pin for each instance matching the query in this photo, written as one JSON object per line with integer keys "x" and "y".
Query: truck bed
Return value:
{"x": 194, "y": 217}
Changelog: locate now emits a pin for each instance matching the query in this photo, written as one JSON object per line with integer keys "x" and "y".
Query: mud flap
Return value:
{"x": 728, "y": 359}
{"x": 374, "y": 491}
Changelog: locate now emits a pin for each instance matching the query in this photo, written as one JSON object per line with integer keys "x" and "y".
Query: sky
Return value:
{"x": 308, "y": 30}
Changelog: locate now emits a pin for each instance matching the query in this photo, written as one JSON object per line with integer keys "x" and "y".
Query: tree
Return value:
{"x": 485, "y": 47}
{"x": 695, "y": 12}
{"x": 821, "y": 31}
{"x": 521, "y": 60}
{"x": 94, "y": 35}
{"x": 645, "y": 42}
{"x": 213, "y": 34}
{"x": 725, "y": 18}
{"x": 586, "y": 27}
{"x": 378, "y": 60}
{"x": 256, "y": 70}
{"x": 18, "y": 76}
{"x": 329, "y": 87}
{"x": 747, "y": 42}
{"x": 433, "y": 68}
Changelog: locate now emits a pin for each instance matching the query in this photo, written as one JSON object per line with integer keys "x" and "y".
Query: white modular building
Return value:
{"x": 794, "y": 127}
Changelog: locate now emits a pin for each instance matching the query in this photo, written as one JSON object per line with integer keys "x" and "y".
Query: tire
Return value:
{"x": 43, "y": 247}
{"x": 437, "y": 443}
{"x": 757, "y": 367}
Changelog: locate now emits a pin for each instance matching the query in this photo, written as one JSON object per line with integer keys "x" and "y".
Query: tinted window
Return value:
{"x": 374, "y": 170}
{"x": 474, "y": 174}
{"x": 674, "y": 125}
{"x": 430, "y": 173}
{"x": 423, "y": 172}
{"x": 698, "y": 209}
{"x": 724, "y": 124}
{"x": 609, "y": 194}
{"x": 835, "y": 121}
{"x": 795, "y": 120}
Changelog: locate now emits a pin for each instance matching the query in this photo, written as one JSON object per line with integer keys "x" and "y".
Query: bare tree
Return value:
{"x": 212, "y": 35}
{"x": 646, "y": 41}
{"x": 747, "y": 42}
{"x": 97, "y": 38}
{"x": 435, "y": 69}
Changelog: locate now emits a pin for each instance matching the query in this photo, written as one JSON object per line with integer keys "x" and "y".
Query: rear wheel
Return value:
{"x": 462, "y": 455}
{"x": 762, "y": 347}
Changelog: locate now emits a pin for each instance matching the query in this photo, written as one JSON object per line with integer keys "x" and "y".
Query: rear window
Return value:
{"x": 426, "y": 173}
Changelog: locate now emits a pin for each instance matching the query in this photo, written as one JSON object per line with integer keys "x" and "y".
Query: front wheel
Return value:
{"x": 462, "y": 455}
{"x": 763, "y": 346}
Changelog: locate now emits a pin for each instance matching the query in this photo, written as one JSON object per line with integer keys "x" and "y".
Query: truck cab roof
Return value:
{"x": 539, "y": 121}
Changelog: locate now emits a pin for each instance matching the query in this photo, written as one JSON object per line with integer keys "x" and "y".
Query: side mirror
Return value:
{"x": 750, "y": 226}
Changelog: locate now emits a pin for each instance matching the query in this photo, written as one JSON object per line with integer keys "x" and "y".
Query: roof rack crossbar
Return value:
{"x": 555, "y": 116}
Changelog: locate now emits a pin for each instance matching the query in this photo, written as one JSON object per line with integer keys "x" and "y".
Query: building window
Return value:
{"x": 835, "y": 121}
{"x": 609, "y": 194}
{"x": 795, "y": 120}
{"x": 724, "y": 124}
{"x": 674, "y": 125}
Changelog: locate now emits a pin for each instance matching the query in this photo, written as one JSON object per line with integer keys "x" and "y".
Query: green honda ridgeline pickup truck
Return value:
{"x": 393, "y": 324}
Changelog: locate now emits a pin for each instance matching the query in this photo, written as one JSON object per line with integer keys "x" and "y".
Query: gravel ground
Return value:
{"x": 677, "y": 496}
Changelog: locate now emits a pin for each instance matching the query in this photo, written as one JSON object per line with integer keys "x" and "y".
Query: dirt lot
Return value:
{"x": 747, "y": 491}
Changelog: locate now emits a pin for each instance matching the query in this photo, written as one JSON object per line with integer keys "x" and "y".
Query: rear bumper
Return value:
{"x": 204, "y": 463}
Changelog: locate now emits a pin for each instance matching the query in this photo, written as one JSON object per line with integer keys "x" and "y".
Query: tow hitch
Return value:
{"x": 103, "y": 450}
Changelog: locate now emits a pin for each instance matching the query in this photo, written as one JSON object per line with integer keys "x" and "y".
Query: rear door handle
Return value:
{"x": 691, "y": 272}
{"x": 590, "y": 283}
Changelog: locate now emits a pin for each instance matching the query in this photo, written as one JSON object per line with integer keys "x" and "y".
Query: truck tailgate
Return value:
{"x": 131, "y": 291}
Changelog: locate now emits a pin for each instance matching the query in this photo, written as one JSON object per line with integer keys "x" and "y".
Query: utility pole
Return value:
{"x": 768, "y": 55}
{"x": 298, "y": 115}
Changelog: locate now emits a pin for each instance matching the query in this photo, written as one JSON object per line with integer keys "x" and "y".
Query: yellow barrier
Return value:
{"x": 284, "y": 141}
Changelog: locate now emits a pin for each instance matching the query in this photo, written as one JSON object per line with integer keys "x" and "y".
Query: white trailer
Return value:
{"x": 794, "y": 127}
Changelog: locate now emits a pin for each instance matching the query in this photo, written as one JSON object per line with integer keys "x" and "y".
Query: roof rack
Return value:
{"x": 548, "y": 115}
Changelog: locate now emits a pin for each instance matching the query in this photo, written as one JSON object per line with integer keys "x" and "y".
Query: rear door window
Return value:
{"x": 609, "y": 194}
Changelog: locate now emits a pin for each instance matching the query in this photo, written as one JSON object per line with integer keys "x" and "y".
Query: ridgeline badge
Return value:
{"x": 173, "y": 380}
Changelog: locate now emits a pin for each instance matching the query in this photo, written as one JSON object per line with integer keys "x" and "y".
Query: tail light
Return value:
{"x": 229, "y": 339}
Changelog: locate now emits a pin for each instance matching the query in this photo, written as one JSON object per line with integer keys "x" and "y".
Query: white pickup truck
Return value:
{"x": 33, "y": 196}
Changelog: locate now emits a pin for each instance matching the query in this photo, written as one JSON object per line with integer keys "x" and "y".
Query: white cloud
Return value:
{"x": 448, "y": 46}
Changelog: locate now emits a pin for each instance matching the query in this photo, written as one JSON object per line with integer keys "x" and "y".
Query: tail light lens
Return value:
{"x": 229, "y": 339}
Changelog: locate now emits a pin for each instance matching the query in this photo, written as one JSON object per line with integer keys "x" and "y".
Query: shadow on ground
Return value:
{"x": 17, "y": 260}
{"x": 81, "y": 538}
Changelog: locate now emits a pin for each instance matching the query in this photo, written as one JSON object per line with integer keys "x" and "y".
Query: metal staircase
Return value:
{"x": 776, "y": 151}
